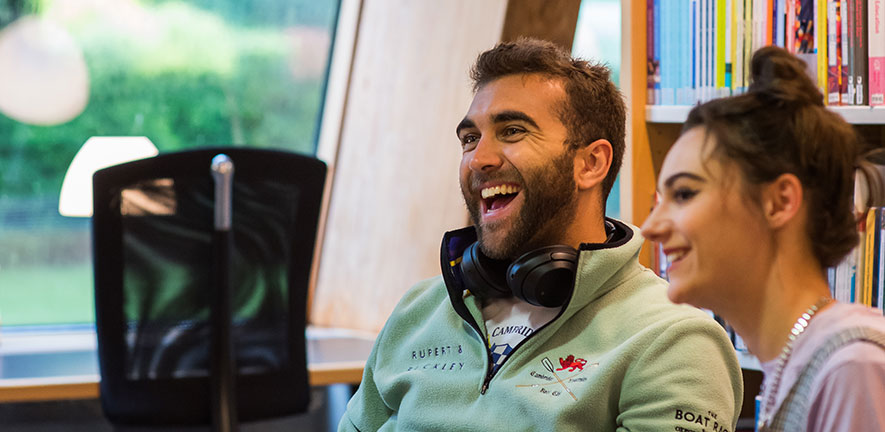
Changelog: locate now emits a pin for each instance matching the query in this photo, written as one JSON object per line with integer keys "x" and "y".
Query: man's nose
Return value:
{"x": 486, "y": 156}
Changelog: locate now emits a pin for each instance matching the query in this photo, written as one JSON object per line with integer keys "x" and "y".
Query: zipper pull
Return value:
{"x": 485, "y": 386}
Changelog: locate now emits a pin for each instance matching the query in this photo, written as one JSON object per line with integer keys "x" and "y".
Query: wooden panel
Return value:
{"x": 33, "y": 392}
{"x": 641, "y": 162}
{"x": 553, "y": 20}
{"x": 395, "y": 189}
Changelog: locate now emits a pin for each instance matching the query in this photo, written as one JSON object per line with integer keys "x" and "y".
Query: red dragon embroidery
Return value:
{"x": 571, "y": 363}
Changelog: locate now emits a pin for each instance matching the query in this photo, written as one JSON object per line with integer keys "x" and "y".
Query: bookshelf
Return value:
{"x": 652, "y": 130}
{"x": 858, "y": 115}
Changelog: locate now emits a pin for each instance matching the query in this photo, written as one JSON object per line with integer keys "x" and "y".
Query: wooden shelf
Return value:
{"x": 851, "y": 114}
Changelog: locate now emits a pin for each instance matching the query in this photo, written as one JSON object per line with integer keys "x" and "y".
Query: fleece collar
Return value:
{"x": 601, "y": 266}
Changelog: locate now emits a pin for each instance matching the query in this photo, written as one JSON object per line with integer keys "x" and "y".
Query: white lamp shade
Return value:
{"x": 97, "y": 153}
{"x": 43, "y": 76}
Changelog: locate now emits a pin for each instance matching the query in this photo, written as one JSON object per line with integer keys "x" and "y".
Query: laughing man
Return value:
{"x": 543, "y": 319}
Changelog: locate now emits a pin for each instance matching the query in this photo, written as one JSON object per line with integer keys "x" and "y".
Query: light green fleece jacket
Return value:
{"x": 620, "y": 357}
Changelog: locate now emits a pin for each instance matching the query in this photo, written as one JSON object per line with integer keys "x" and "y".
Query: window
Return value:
{"x": 184, "y": 73}
{"x": 598, "y": 37}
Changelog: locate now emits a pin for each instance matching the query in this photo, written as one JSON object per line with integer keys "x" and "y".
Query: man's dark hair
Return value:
{"x": 594, "y": 108}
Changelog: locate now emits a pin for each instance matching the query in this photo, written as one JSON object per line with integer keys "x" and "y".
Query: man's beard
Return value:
{"x": 548, "y": 207}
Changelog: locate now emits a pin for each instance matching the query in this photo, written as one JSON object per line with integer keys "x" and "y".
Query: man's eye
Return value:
{"x": 468, "y": 141}
{"x": 510, "y": 131}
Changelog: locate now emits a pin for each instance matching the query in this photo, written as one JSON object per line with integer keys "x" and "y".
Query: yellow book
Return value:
{"x": 869, "y": 253}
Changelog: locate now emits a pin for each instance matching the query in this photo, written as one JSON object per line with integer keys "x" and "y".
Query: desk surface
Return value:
{"x": 53, "y": 367}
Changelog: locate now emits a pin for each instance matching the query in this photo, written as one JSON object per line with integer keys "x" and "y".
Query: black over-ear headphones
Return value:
{"x": 542, "y": 277}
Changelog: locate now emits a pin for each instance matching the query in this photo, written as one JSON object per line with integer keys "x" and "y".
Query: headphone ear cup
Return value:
{"x": 544, "y": 277}
{"x": 484, "y": 276}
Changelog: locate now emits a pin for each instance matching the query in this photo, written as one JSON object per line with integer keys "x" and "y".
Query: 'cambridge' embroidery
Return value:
{"x": 554, "y": 380}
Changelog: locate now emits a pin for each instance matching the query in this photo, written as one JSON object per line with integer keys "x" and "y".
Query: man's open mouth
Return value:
{"x": 497, "y": 197}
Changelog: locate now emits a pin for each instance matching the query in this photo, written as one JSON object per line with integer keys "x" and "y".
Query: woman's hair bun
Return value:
{"x": 781, "y": 76}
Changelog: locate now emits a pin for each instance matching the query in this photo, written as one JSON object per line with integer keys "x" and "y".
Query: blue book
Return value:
{"x": 657, "y": 45}
{"x": 668, "y": 87}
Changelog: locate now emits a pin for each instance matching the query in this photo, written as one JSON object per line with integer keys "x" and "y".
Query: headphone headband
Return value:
{"x": 542, "y": 277}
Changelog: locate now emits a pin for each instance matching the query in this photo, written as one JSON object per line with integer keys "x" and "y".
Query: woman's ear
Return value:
{"x": 592, "y": 163}
{"x": 782, "y": 200}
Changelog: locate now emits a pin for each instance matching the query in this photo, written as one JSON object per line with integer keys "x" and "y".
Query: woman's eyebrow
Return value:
{"x": 682, "y": 174}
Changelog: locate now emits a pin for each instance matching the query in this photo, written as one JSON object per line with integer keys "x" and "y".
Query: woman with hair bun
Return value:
{"x": 755, "y": 203}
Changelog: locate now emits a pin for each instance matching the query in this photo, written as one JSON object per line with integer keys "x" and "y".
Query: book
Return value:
{"x": 834, "y": 63}
{"x": 693, "y": 73}
{"x": 874, "y": 224}
{"x": 727, "y": 31}
{"x": 859, "y": 261}
{"x": 876, "y": 41}
{"x": 879, "y": 262}
{"x": 803, "y": 35}
{"x": 652, "y": 61}
{"x": 668, "y": 50}
{"x": 848, "y": 44}
{"x": 780, "y": 15}
{"x": 843, "y": 52}
{"x": 861, "y": 53}
{"x": 821, "y": 45}
{"x": 737, "y": 83}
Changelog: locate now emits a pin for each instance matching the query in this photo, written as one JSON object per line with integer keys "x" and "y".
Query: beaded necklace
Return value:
{"x": 798, "y": 329}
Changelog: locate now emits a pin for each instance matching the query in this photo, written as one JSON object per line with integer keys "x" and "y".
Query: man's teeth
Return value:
{"x": 499, "y": 190}
{"x": 673, "y": 256}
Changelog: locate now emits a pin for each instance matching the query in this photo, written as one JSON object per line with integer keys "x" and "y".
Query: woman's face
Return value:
{"x": 712, "y": 233}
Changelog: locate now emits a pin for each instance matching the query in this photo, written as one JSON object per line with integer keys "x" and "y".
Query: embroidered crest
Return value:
{"x": 571, "y": 363}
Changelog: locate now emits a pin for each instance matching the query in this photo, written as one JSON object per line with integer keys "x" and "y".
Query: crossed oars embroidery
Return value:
{"x": 549, "y": 366}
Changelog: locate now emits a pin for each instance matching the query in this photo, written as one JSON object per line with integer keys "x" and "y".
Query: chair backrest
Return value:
{"x": 152, "y": 246}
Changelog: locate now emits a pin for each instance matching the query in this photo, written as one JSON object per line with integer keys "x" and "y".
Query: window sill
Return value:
{"x": 38, "y": 366}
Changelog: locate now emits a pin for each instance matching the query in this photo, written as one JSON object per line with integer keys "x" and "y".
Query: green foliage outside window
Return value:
{"x": 185, "y": 74}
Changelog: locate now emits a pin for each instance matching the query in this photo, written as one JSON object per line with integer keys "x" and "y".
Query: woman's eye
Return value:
{"x": 684, "y": 194}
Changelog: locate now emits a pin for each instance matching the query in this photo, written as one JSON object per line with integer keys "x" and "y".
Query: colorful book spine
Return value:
{"x": 848, "y": 43}
{"x": 842, "y": 23}
{"x": 880, "y": 291}
{"x": 876, "y": 41}
{"x": 821, "y": 46}
{"x": 691, "y": 75}
{"x": 860, "y": 60}
{"x": 859, "y": 260}
{"x": 727, "y": 31}
{"x": 872, "y": 256}
{"x": 834, "y": 63}
{"x": 789, "y": 33}
{"x": 651, "y": 60}
{"x": 748, "y": 41}
{"x": 804, "y": 40}
{"x": 709, "y": 49}
{"x": 780, "y": 10}
{"x": 737, "y": 82}
{"x": 668, "y": 48}
{"x": 877, "y": 258}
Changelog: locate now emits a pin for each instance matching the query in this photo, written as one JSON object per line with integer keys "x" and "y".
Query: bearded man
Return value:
{"x": 543, "y": 319}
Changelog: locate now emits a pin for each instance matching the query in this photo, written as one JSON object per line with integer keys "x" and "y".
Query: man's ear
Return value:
{"x": 592, "y": 163}
{"x": 782, "y": 200}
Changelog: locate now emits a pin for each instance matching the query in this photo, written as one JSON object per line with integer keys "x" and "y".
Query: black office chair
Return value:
{"x": 156, "y": 252}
